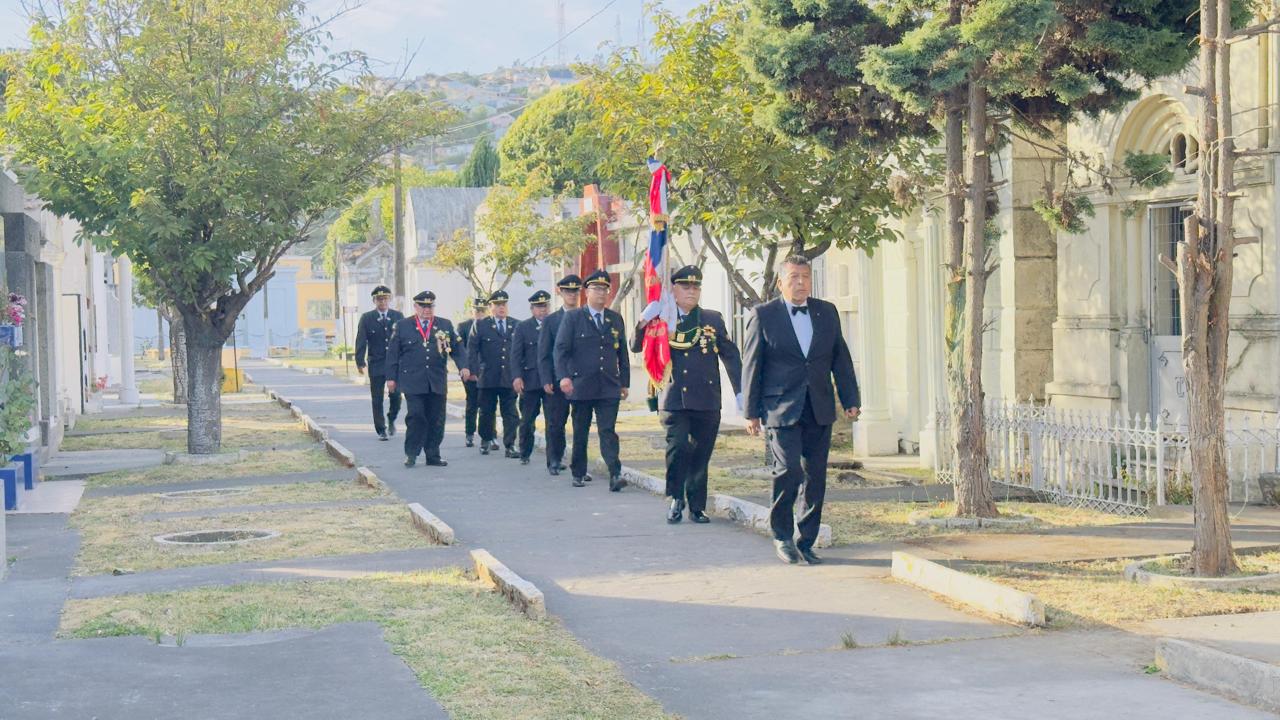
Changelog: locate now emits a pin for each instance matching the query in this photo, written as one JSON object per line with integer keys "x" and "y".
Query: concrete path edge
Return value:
{"x": 1239, "y": 678}
{"x": 979, "y": 593}
{"x": 521, "y": 593}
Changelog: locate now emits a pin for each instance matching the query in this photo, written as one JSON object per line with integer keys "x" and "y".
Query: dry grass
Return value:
{"x": 278, "y": 462}
{"x": 475, "y": 655}
{"x": 1095, "y": 593}
{"x": 113, "y": 508}
{"x": 110, "y": 541}
{"x": 1249, "y": 565}
{"x": 872, "y": 522}
{"x": 161, "y": 388}
{"x": 237, "y": 432}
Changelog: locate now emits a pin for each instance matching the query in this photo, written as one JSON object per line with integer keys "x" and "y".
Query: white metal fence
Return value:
{"x": 1110, "y": 463}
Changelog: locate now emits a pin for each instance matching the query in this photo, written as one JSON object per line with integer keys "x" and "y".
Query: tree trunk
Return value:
{"x": 204, "y": 387}
{"x": 178, "y": 357}
{"x": 1204, "y": 283}
{"x": 968, "y": 428}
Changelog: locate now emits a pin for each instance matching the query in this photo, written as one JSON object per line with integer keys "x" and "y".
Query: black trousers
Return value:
{"x": 556, "y": 405}
{"x": 606, "y": 414}
{"x": 490, "y": 400}
{"x": 424, "y": 425}
{"x": 377, "y": 388}
{"x": 799, "y": 459}
{"x": 691, "y": 437}
{"x": 473, "y": 406}
{"x": 531, "y": 401}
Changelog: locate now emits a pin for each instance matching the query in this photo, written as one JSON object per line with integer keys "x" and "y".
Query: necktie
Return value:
{"x": 384, "y": 317}
{"x": 502, "y": 327}
{"x": 802, "y": 309}
{"x": 599, "y": 321}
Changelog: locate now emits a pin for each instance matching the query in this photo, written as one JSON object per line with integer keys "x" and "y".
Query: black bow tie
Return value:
{"x": 801, "y": 309}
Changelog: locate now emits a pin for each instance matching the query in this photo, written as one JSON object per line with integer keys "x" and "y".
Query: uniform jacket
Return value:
{"x": 596, "y": 360}
{"x": 373, "y": 335}
{"x": 695, "y": 371}
{"x": 547, "y": 347}
{"x": 524, "y": 354}
{"x": 777, "y": 377}
{"x": 420, "y": 367}
{"x": 490, "y": 352}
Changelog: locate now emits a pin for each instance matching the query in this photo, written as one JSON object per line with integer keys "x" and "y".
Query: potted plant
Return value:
{"x": 17, "y": 399}
{"x": 11, "y": 317}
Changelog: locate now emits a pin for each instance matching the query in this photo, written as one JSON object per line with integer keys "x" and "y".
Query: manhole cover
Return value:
{"x": 196, "y": 494}
{"x": 215, "y": 537}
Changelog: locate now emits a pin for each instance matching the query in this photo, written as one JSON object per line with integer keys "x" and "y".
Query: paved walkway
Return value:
{"x": 707, "y": 621}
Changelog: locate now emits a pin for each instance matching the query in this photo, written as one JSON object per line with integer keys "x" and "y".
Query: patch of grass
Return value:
{"x": 896, "y": 639}
{"x": 854, "y": 522}
{"x": 1095, "y": 593}
{"x": 1249, "y": 565}
{"x": 270, "y": 425}
{"x": 108, "y": 509}
{"x": 278, "y": 462}
{"x": 476, "y": 656}
{"x": 109, "y": 542}
{"x": 848, "y": 642}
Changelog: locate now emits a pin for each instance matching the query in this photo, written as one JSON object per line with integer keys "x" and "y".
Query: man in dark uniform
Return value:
{"x": 524, "y": 369}
{"x": 418, "y": 365}
{"x": 593, "y": 369}
{"x": 372, "y": 337}
{"x": 791, "y": 351}
{"x": 554, "y": 400}
{"x": 489, "y": 351}
{"x": 690, "y": 401}
{"x": 479, "y": 309}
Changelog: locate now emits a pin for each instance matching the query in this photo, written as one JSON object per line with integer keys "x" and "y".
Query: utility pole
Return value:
{"x": 159, "y": 336}
{"x": 560, "y": 32}
{"x": 397, "y": 222}
{"x": 337, "y": 301}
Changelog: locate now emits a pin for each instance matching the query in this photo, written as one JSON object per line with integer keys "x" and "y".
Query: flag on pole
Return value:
{"x": 657, "y": 347}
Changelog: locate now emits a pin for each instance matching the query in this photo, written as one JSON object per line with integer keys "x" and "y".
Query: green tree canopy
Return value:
{"x": 481, "y": 168}
{"x": 202, "y": 140}
{"x": 357, "y": 223}
{"x": 559, "y": 132}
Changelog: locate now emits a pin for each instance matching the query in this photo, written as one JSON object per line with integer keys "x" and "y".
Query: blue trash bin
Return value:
{"x": 9, "y": 476}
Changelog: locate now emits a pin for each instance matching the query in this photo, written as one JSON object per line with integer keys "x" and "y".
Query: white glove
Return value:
{"x": 738, "y": 399}
{"x": 651, "y": 311}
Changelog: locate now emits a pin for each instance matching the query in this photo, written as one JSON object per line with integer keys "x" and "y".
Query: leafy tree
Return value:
{"x": 516, "y": 228}
{"x": 754, "y": 193}
{"x": 481, "y": 168}
{"x": 848, "y": 72}
{"x": 202, "y": 140}
{"x": 560, "y": 132}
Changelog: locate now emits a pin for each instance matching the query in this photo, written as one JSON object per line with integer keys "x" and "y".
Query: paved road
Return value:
{"x": 707, "y": 621}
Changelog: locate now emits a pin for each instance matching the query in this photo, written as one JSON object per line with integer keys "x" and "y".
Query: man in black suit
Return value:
{"x": 373, "y": 335}
{"x": 792, "y": 349}
{"x": 690, "y": 400}
{"x": 479, "y": 309}
{"x": 554, "y": 400}
{"x": 489, "y": 351}
{"x": 526, "y": 380}
{"x": 418, "y": 364}
{"x": 593, "y": 369}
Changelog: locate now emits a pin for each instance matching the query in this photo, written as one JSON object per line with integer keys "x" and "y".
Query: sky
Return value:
{"x": 444, "y": 36}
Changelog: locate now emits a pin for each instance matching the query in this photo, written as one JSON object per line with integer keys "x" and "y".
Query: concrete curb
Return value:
{"x": 366, "y": 477}
{"x": 314, "y": 429}
{"x": 526, "y": 597}
{"x": 989, "y": 597}
{"x": 1239, "y": 678}
{"x": 1135, "y": 572}
{"x": 434, "y": 527}
{"x": 340, "y": 452}
{"x": 181, "y": 458}
{"x": 923, "y": 519}
{"x": 755, "y": 516}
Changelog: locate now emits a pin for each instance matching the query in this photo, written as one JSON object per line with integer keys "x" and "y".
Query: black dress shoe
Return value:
{"x": 391, "y": 426}
{"x": 438, "y": 462}
{"x": 554, "y": 470}
{"x": 471, "y": 441}
{"x": 586, "y": 477}
{"x": 382, "y": 435}
{"x": 524, "y": 461}
{"x": 676, "y": 513}
{"x": 809, "y": 556}
{"x": 513, "y": 454}
{"x": 699, "y": 517}
{"x": 616, "y": 483}
{"x": 492, "y": 445}
{"x": 578, "y": 482}
{"x": 787, "y": 551}
{"x": 410, "y": 461}
{"x": 484, "y": 449}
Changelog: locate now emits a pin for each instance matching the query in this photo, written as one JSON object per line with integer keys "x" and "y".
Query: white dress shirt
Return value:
{"x": 802, "y": 324}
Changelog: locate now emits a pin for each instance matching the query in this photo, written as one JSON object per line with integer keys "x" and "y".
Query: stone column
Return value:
{"x": 932, "y": 351}
{"x": 128, "y": 384}
{"x": 874, "y": 433}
